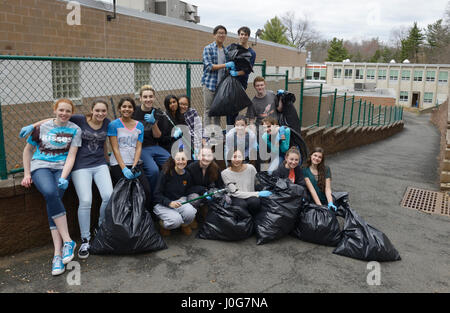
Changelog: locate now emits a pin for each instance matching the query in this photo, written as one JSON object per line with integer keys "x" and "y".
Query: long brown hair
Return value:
{"x": 213, "y": 169}
{"x": 169, "y": 166}
{"x": 93, "y": 104}
{"x": 320, "y": 167}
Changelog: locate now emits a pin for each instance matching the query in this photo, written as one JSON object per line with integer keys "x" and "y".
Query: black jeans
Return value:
{"x": 251, "y": 204}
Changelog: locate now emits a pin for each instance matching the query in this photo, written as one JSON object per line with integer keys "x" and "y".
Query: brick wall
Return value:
{"x": 39, "y": 27}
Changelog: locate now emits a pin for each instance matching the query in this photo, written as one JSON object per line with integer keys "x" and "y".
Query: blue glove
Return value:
{"x": 264, "y": 193}
{"x": 150, "y": 118}
{"x": 127, "y": 173}
{"x": 230, "y": 65}
{"x": 280, "y": 91}
{"x": 177, "y": 134}
{"x": 63, "y": 183}
{"x": 194, "y": 155}
{"x": 136, "y": 173}
{"x": 332, "y": 206}
{"x": 25, "y": 131}
{"x": 233, "y": 73}
{"x": 282, "y": 131}
{"x": 208, "y": 197}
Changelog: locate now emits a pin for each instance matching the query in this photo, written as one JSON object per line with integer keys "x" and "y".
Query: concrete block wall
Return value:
{"x": 23, "y": 217}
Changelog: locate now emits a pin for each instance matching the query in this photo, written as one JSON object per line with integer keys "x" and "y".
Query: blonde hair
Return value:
{"x": 146, "y": 87}
{"x": 55, "y": 106}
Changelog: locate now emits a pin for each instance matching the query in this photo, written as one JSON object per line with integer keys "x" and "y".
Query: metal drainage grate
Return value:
{"x": 427, "y": 201}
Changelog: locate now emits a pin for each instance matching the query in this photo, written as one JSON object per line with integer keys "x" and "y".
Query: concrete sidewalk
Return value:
{"x": 376, "y": 177}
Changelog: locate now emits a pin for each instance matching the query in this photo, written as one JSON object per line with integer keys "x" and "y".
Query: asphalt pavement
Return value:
{"x": 376, "y": 177}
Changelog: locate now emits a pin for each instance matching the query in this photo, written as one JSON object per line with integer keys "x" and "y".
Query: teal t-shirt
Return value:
{"x": 313, "y": 178}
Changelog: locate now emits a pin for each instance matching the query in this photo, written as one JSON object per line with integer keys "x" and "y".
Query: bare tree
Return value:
{"x": 300, "y": 31}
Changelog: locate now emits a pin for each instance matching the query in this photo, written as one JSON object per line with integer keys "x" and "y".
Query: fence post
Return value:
{"x": 343, "y": 109}
{"x": 368, "y": 114}
{"x": 379, "y": 114}
{"x": 373, "y": 113}
{"x": 263, "y": 69}
{"x": 364, "y": 116}
{"x": 188, "y": 80}
{"x": 300, "y": 109}
{"x": 359, "y": 110}
{"x": 385, "y": 111}
{"x": 351, "y": 112}
{"x": 390, "y": 116}
{"x": 334, "y": 106}
{"x": 3, "y": 169}
{"x": 286, "y": 80}
{"x": 318, "y": 108}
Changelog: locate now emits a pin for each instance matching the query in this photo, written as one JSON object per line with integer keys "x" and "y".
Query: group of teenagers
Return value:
{"x": 148, "y": 144}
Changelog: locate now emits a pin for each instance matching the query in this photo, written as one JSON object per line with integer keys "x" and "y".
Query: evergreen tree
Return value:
{"x": 275, "y": 31}
{"x": 337, "y": 51}
{"x": 412, "y": 44}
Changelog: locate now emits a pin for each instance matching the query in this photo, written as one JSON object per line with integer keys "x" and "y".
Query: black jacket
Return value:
{"x": 171, "y": 187}
{"x": 201, "y": 183}
{"x": 283, "y": 172}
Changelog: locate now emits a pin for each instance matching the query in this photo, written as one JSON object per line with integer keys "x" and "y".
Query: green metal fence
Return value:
{"x": 30, "y": 84}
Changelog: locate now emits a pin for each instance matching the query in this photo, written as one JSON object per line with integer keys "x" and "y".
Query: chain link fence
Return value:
{"x": 30, "y": 85}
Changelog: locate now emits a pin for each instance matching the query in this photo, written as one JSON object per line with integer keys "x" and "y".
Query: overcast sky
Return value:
{"x": 348, "y": 19}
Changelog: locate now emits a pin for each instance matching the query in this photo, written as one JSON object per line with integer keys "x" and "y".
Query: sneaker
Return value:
{"x": 68, "y": 249}
{"x": 57, "y": 266}
{"x": 83, "y": 253}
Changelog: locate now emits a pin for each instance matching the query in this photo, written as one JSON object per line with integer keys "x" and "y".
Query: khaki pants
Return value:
{"x": 208, "y": 97}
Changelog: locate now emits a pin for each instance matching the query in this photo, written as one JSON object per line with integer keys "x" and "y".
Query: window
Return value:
{"x": 381, "y": 74}
{"x": 443, "y": 77}
{"x": 359, "y": 73}
{"x": 309, "y": 73}
{"x": 141, "y": 75}
{"x": 66, "y": 80}
{"x": 370, "y": 74}
{"x": 348, "y": 74}
{"x": 337, "y": 73}
{"x": 403, "y": 96}
{"x": 393, "y": 75}
{"x": 418, "y": 76}
{"x": 431, "y": 76}
{"x": 323, "y": 74}
{"x": 406, "y": 74}
{"x": 428, "y": 97}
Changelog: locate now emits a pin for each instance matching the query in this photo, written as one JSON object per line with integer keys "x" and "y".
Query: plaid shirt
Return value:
{"x": 194, "y": 122}
{"x": 211, "y": 57}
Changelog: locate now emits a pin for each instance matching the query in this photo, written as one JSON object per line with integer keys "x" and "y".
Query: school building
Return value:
{"x": 412, "y": 85}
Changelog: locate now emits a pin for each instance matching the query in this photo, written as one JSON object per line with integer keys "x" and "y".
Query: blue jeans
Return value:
{"x": 152, "y": 156}
{"x": 82, "y": 180}
{"x": 46, "y": 182}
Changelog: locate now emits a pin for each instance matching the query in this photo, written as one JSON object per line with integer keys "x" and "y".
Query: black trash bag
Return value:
{"x": 361, "y": 240}
{"x": 225, "y": 221}
{"x": 289, "y": 117}
{"x": 279, "y": 212}
{"x": 230, "y": 98}
{"x": 128, "y": 227}
{"x": 241, "y": 57}
{"x": 319, "y": 225}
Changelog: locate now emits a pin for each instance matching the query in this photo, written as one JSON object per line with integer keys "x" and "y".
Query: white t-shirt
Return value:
{"x": 127, "y": 139}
